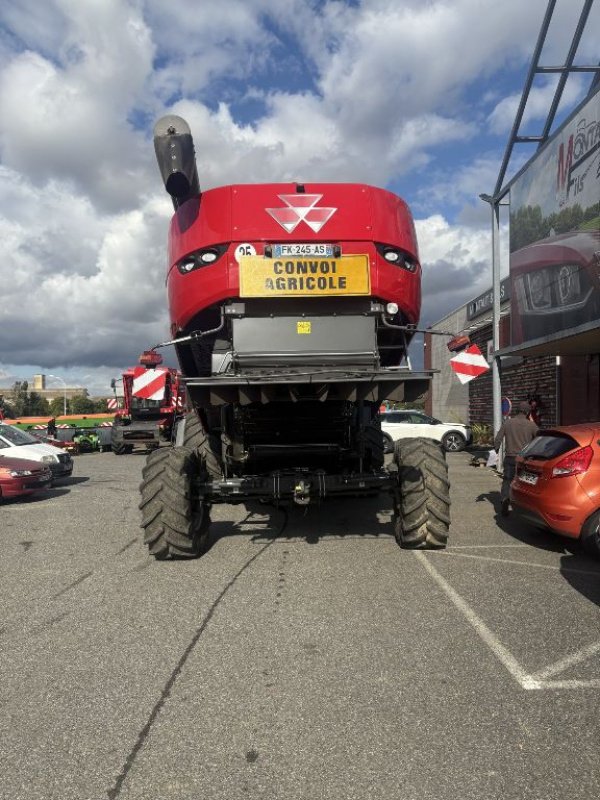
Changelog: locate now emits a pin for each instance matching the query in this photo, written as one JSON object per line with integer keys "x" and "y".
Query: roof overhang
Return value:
{"x": 584, "y": 340}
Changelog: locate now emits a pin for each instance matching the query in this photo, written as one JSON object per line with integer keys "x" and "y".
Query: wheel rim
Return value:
{"x": 453, "y": 442}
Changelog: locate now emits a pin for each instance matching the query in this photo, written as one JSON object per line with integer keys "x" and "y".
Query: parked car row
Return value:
{"x": 28, "y": 465}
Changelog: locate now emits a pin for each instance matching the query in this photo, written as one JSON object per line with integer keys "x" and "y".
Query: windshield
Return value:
{"x": 17, "y": 436}
{"x": 140, "y": 403}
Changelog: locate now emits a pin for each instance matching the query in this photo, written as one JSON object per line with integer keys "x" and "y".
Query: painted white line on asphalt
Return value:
{"x": 485, "y": 546}
{"x": 503, "y": 655}
{"x": 593, "y": 683}
{"x": 567, "y": 661}
{"x": 571, "y": 571}
{"x": 528, "y": 682}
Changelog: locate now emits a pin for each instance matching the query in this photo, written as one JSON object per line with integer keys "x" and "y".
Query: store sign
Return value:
{"x": 485, "y": 302}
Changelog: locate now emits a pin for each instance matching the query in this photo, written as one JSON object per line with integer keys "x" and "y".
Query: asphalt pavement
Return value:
{"x": 304, "y": 656}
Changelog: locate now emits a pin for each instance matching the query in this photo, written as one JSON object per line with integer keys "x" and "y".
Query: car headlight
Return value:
{"x": 568, "y": 284}
{"x": 539, "y": 289}
{"x": 49, "y": 459}
{"x": 558, "y": 287}
{"x": 20, "y": 473}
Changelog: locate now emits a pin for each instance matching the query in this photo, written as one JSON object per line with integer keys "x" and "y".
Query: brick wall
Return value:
{"x": 533, "y": 376}
{"x": 580, "y": 383}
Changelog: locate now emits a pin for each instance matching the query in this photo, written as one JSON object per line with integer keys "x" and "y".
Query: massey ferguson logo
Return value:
{"x": 301, "y": 207}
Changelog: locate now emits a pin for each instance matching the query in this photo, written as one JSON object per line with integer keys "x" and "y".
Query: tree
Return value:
{"x": 37, "y": 406}
{"x": 57, "y": 405}
{"x": 6, "y": 408}
{"x": 82, "y": 405}
{"x": 20, "y": 398}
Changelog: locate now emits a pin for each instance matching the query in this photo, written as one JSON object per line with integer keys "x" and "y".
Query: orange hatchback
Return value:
{"x": 557, "y": 482}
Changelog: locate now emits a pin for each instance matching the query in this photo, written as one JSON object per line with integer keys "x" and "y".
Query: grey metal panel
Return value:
{"x": 336, "y": 339}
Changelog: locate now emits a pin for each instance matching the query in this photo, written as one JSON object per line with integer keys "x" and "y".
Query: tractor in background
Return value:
{"x": 153, "y": 398}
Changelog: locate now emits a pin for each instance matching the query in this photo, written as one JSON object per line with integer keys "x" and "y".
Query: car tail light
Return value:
{"x": 574, "y": 463}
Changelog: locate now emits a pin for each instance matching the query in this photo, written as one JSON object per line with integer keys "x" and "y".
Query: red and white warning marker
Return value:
{"x": 469, "y": 364}
{"x": 149, "y": 384}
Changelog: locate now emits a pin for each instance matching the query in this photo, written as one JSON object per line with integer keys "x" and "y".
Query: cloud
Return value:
{"x": 376, "y": 91}
{"x": 83, "y": 289}
{"x": 540, "y": 98}
{"x": 68, "y": 116}
{"x": 456, "y": 261}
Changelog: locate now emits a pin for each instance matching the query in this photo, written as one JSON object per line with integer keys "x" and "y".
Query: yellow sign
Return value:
{"x": 304, "y": 327}
{"x": 296, "y": 276}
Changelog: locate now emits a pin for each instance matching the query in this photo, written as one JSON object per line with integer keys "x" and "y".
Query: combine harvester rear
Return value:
{"x": 292, "y": 307}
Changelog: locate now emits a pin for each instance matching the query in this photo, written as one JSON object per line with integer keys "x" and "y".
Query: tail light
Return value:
{"x": 574, "y": 463}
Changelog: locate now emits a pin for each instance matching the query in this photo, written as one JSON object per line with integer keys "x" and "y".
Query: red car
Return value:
{"x": 557, "y": 482}
{"x": 19, "y": 477}
{"x": 69, "y": 447}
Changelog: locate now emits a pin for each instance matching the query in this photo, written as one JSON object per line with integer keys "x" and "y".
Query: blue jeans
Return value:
{"x": 509, "y": 466}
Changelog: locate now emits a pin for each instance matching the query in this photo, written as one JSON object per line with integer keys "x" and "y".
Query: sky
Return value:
{"x": 416, "y": 96}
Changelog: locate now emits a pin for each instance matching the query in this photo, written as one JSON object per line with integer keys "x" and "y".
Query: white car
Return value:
{"x": 20, "y": 444}
{"x": 408, "y": 424}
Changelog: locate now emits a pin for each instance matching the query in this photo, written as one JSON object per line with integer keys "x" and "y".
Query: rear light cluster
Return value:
{"x": 574, "y": 463}
{"x": 399, "y": 258}
{"x": 201, "y": 258}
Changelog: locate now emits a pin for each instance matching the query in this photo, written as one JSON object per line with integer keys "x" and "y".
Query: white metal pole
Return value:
{"x": 496, "y": 387}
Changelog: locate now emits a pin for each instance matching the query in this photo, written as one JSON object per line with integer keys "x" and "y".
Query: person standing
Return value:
{"x": 516, "y": 432}
{"x": 51, "y": 428}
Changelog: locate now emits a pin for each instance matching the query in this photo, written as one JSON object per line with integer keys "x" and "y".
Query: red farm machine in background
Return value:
{"x": 153, "y": 397}
{"x": 292, "y": 307}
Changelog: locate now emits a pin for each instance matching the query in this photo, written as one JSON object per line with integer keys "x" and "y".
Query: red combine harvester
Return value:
{"x": 292, "y": 306}
{"x": 153, "y": 397}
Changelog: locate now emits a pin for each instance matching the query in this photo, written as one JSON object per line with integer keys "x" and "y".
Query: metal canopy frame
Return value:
{"x": 536, "y": 68}
{"x": 501, "y": 188}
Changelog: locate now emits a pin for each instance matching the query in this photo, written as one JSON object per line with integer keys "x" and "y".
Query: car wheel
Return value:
{"x": 590, "y": 535}
{"x": 388, "y": 443}
{"x": 454, "y": 442}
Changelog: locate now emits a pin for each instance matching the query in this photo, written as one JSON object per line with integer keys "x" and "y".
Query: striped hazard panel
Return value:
{"x": 149, "y": 384}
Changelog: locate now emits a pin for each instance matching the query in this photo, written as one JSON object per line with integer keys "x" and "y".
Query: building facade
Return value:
{"x": 564, "y": 388}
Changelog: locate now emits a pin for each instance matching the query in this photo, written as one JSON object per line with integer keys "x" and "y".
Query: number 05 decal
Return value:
{"x": 244, "y": 250}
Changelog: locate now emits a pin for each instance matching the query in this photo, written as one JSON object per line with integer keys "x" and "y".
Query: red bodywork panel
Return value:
{"x": 555, "y": 284}
{"x": 351, "y": 216}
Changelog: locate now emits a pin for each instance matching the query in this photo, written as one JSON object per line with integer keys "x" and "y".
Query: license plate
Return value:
{"x": 306, "y": 249}
{"x": 294, "y": 276}
{"x": 528, "y": 477}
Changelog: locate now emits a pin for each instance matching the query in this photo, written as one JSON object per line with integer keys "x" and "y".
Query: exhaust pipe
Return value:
{"x": 174, "y": 148}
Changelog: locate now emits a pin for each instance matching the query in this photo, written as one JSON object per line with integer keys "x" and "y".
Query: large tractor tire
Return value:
{"x": 175, "y": 520}
{"x": 120, "y": 448}
{"x": 423, "y": 497}
{"x": 207, "y": 445}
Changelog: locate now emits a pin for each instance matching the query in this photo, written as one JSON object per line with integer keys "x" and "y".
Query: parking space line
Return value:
{"x": 568, "y": 661}
{"x": 569, "y": 570}
{"x": 485, "y": 546}
{"x": 593, "y": 683}
{"x": 526, "y": 681}
{"x": 503, "y": 655}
